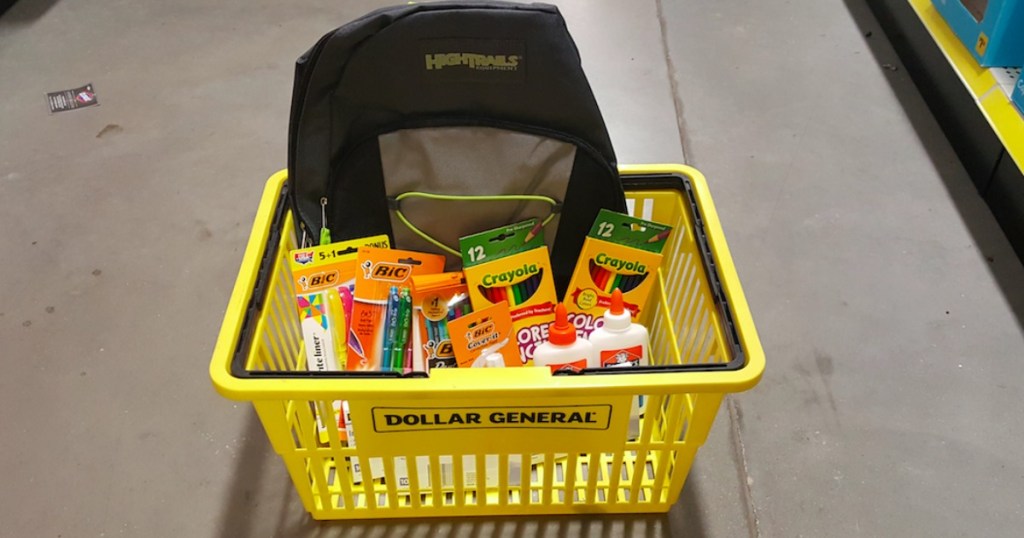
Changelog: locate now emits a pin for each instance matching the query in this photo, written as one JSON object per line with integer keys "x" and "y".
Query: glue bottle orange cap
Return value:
{"x": 616, "y": 308}
{"x": 617, "y": 318}
{"x": 561, "y": 332}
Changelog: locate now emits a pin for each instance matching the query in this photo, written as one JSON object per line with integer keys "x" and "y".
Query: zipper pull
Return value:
{"x": 325, "y": 232}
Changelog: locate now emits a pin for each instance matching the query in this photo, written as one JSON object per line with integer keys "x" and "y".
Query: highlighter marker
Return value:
{"x": 346, "y": 301}
{"x": 338, "y": 321}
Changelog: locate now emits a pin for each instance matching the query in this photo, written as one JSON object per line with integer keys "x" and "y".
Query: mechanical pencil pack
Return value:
{"x": 437, "y": 300}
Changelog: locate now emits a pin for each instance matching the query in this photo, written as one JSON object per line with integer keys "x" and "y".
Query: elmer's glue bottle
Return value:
{"x": 620, "y": 343}
{"x": 563, "y": 351}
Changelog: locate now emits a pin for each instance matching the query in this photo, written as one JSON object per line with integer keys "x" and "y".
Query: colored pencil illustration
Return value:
{"x": 660, "y": 237}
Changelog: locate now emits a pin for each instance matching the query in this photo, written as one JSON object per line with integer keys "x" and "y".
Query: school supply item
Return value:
{"x": 436, "y": 300}
{"x": 510, "y": 265}
{"x": 431, "y": 161}
{"x": 316, "y": 271}
{"x": 339, "y": 325}
{"x": 621, "y": 252}
{"x": 396, "y": 329}
{"x": 563, "y": 351}
{"x": 320, "y": 275}
{"x": 478, "y": 336}
{"x": 379, "y": 326}
{"x": 494, "y": 360}
{"x": 620, "y": 343}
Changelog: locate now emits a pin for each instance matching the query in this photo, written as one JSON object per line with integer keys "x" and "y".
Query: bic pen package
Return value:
{"x": 382, "y": 316}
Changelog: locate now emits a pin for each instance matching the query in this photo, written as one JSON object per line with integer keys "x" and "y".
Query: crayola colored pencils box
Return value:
{"x": 619, "y": 252}
{"x": 380, "y": 275}
{"x": 511, "y": 265}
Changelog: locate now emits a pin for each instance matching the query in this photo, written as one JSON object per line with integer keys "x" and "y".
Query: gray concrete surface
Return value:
{"x": 888, "y": 301}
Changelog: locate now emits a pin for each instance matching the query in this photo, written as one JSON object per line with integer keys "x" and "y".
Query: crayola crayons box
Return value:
{"x": 382, "y": 297}
{"x": 511, "y": 265}
{"x": 315, "y": 271}
{"x": 619, "y": 252}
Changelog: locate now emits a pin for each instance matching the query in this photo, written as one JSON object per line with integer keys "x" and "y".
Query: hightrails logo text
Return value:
{"x": 478, "y": 62}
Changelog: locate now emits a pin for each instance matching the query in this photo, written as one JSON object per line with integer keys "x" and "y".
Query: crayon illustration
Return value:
{"x": 607, "y": 280}
{"x": 516, "y": 294}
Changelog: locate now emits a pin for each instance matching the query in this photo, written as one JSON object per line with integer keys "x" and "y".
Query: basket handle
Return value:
{"x": 259, "y": 291}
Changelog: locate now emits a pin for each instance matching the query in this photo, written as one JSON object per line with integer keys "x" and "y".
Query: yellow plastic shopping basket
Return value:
{"x": 472, "y": 442}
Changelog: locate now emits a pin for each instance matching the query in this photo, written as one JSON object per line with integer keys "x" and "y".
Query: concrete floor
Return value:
{"x": 889, "y": 303}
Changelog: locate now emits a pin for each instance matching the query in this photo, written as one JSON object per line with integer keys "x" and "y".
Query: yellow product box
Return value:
{"x": 511, "y": 265}
{"x": 620, "y": 252}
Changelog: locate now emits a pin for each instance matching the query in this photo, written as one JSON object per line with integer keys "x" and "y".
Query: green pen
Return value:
{"x": 404, "y": 326}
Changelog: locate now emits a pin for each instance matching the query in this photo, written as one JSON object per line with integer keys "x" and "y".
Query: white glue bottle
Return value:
{"x": 563, "y": 351}
{"x": 620, "y": 343}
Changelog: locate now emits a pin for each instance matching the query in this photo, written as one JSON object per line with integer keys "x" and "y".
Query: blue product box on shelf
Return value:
{"x": 993, "y": 30}
{"x": 1018, "y": 95}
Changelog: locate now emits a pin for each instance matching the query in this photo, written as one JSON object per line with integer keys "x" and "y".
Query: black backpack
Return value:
{"x": 428, "y": 122}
